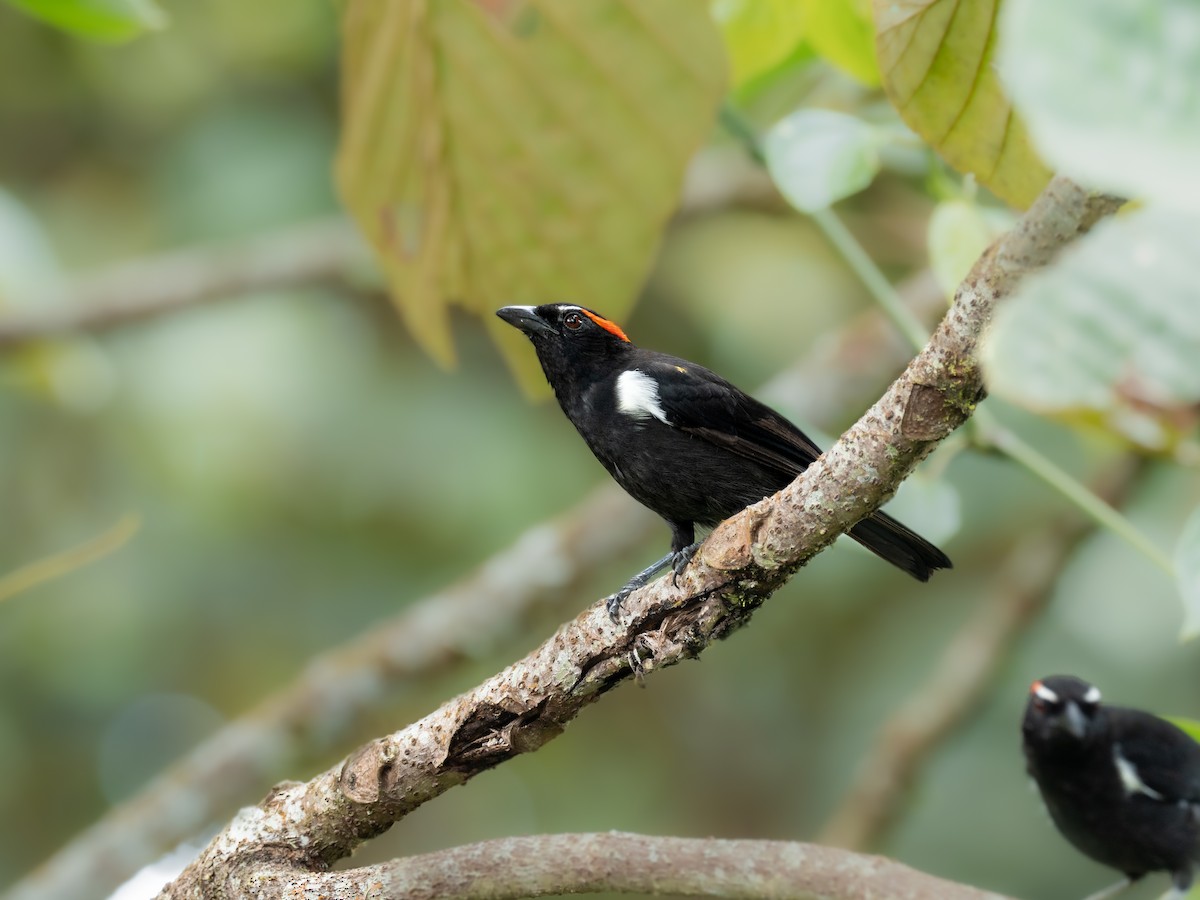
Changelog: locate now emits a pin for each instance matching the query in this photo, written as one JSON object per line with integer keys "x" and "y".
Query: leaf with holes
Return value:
{"x": 936, "y": 59}
{"x": 1111, "y": 332}
{"x": 520, "y": 151}
{"x": 103, "y": 20}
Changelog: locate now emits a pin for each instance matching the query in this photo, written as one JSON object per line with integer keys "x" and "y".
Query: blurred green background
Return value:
{"x": 301, "y": 470}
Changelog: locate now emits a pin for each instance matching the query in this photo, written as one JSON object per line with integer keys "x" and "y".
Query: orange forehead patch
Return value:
{"x": 607, "y": 325}
{"x": 1035, "y": 687}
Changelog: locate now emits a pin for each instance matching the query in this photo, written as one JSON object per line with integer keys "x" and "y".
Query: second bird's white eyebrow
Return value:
{"x": 1092, "y": 695}
{"x": 1045, "y": 693}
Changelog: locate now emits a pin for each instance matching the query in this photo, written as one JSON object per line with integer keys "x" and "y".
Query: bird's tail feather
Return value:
{"x": 901, "y": 546}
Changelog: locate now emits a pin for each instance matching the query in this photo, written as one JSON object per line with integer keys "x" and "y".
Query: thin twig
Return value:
{"x": 312, "y": 253}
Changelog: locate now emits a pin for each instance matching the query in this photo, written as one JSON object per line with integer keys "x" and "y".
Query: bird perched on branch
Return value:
{"x": 1122, "y": 785}
{"x": 681, "y": 440}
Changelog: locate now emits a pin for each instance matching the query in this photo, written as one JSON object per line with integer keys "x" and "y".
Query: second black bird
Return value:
{"x": 1122, "y": 785}
{"x": 681, "y": 440}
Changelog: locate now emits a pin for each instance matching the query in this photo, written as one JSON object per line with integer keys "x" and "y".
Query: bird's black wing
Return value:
{"x": 702, "y": 403}
{"x": 1165, "y": 758}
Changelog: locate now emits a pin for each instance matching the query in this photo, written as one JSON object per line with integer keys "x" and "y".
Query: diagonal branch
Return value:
{"x": 617, "y": 862}
{"x": 334, "y": 697}
{"x": 309, "y": 826}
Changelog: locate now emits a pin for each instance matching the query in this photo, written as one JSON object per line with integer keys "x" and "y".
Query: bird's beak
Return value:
{"x": 1074, "y": 721}
{"x": 524, "y": 318}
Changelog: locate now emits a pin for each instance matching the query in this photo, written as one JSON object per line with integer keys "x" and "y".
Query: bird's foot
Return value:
{"x": 680, "y": 560}
{"x": 640, "y": 580}
{"x": 614, "y": 601}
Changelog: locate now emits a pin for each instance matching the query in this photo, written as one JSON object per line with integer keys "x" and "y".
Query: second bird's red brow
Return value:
{"x": 611, "y": 327}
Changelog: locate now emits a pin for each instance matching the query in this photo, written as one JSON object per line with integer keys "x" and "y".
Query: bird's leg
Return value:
{"x": 1111, "y": 891}
{"x": 681, "y": 558}
{"x": 683, "y": 547}
{"x": 640, "y": 580}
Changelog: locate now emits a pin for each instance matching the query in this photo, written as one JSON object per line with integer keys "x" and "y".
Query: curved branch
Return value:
{"x": 617, "y": 862}
{"x": 308, "y": 827}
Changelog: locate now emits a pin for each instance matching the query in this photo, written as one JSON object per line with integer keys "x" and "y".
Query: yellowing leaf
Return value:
{"x": 520, "y": 151}
{"x": 936, "y": 59}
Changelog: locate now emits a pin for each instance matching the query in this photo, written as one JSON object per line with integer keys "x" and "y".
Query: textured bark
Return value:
{"x": 624, "y": 863}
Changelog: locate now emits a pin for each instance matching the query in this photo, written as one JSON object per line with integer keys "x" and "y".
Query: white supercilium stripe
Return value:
{"x": 637, "y": 396}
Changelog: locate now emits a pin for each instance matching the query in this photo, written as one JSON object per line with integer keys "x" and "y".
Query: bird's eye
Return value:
{"x": 573, "y": 321}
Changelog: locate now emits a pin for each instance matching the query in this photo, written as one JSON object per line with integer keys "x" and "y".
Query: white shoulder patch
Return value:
{"x": 637, "y": 396}
{"x": 1130, "y": 779}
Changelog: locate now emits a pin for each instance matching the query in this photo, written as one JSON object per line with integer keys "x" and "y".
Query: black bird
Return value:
{"x": 681, "y": 440}
{"x": 1122, "y": 785}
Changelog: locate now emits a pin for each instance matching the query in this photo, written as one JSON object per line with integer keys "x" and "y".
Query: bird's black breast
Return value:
{"x": 1132, "y": 832}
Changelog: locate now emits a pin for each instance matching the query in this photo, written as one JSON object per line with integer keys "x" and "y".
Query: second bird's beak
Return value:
{"x": 1074, "y": 720}
{"x": 524, "y": 318}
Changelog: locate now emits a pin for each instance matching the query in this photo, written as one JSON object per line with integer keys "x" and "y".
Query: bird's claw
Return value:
{"x": 680, "y": 560}
{"x": 614, "y": 602}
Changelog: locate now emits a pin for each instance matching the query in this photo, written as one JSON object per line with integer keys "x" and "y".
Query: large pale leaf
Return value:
{"x": 1118, "y": 103}
{"x": 936, "y": 59}
{"x": 1111, "y": 332}
{"x": 105, "y": 20}
{"x": 520, "y": 151}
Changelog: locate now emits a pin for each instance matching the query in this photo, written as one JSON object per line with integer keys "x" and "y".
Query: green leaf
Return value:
{"x": 759, "y": 34}
{"x": 1191, "y": 726}
{"x": 959, "y": 232}
{"x": 1111, "y": 332}
{"x": 1187, "y": 574}
{"x": 520, "y": 151}
{"x": 936, "y": 59}
{"x": 104, "y": 20}
{"x": 841, "y": 31}
{"x": 817, "y": 156}
{"x": 1118, "y": 104}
